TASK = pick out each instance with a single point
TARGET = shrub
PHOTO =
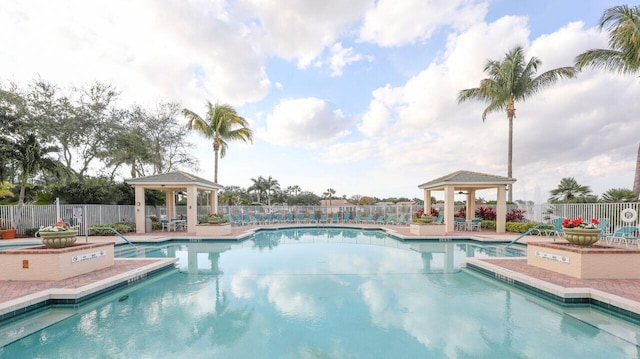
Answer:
(122, 228)
(488, 224)
(520, 227)
(516, 215)
(434, 212)
(31, 232)
(487, 213)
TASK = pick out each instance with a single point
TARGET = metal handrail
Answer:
(116, 232)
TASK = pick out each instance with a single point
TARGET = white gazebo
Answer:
(468, 183)
(171, 183)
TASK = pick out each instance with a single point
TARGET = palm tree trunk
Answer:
(636, 180)
(215, 173)
(510, 156)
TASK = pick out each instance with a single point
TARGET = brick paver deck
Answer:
(15, 289)
(625, 288)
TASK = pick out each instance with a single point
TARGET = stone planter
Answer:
(423, 229)
(8, 233)
(581, 236)
(213, 230)
(61, 239)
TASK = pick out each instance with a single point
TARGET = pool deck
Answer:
(17, 296)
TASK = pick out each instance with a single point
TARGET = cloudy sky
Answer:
(357, 95)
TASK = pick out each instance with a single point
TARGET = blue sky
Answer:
(359, 95)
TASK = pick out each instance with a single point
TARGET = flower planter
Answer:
(8, 233)
(213, 230)
(61, 239)
(581, 236)
(432, 229)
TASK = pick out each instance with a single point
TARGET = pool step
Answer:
(21, 328)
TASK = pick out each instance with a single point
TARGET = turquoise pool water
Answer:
(324, 294)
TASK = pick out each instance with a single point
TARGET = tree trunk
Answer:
(636, 180)
(511, 115)
(216, 147)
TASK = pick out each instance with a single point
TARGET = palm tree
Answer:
(271, 187)
(222, 123)
(5, 189)
(617, 195)
(509, 81)
(623, 56)
(258, 187)
(295, 189)
(569, 191)
(329, 195)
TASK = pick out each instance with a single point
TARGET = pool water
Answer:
(326, 294)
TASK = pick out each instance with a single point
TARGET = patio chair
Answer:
(334, 218)
(380, 220)
(301, 218)
(402, 220)
(357, 219)
(290, 218)
(279, 218)
(439, 219)
(556, 231)
(323, 218)
(459, 223)
(312, 218)
(369, 219)
(476, 224)
(236, 220)
(346, 217)
(604, 229)
(259, 219)
(165, 224)
(246, 220)
(390, 219)
(268, 218)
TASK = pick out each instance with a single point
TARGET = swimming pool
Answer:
(325, 293)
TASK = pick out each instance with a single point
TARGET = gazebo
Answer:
(171, 183)
(467, 182)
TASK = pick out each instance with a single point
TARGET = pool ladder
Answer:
(117, 233)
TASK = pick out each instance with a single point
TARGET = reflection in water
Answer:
(321, 293)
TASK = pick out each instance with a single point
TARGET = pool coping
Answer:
(21, 306)
(555, 293)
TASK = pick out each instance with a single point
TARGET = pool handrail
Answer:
(116, 232)
(536, 228)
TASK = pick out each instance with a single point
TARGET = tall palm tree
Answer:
(623, 56)
(295, 189)
(617, 195)
(221, 123)
(258, 187)
(511, 80)
(569, 191)
(329, 195)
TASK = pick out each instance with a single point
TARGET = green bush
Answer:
(515, 227)
(488, 224)
(122, 228)
(156, 225)
(31, 232)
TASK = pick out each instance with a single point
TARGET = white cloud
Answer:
(307, 122)
(341, 57)
(301, 29)
(395, 23)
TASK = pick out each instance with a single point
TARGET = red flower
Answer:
(595, 221)
(565, 222)
(577, 221)
(60, 223)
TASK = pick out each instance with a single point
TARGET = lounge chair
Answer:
(301, 218)
(312, 218)
(268, 218)
(259, 219)
(346, 217)
(323, 218)
(623, 234)
(246, 220)
(334, 218)
(290, 218)
(439, 219)
(380, 220)
(390, 219)
(369, 219)
(279, 218)
(357, 219)
(402, 220)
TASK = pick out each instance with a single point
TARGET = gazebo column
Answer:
(170, 200)
(449, 207)
(192, 208)
(427, 202)
(140, 214)
(501, 210)
(213, 202)
(471, 203)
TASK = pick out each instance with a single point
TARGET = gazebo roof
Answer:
(467, 179)
(177, 179)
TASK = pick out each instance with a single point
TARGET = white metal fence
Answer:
(34, 216)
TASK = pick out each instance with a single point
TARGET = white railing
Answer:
(34, 216)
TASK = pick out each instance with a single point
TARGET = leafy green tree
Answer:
(304, 198)
(569, 191)
(272, 186)
(623, 55)
(221, 123)
(91, 190)
(259, 187)
(617, 195)
(510, 80)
